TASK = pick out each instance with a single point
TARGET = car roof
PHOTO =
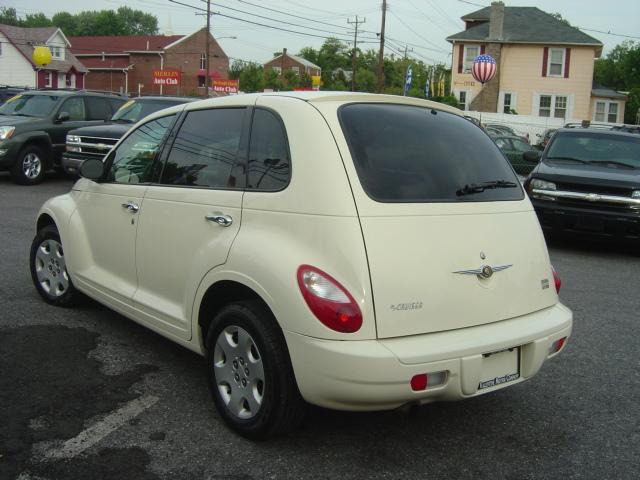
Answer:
(510, 137)
(159, 98)
(66, 93)
(597, 131)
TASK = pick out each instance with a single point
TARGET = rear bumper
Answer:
(376, 374)
(590, 221)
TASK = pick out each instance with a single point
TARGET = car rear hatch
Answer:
(451, 239)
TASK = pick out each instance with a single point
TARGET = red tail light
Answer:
(329, 301)
(556, 279)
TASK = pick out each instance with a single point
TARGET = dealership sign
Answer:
(166, 77)
(225, 86)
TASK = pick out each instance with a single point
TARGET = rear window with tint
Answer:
(404, 153)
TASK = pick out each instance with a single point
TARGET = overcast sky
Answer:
(422, 24)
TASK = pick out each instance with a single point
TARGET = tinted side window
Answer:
(269, 163)
(205, 149)
(98, 108)
(74, 107)
(116, 103)
(133, 159)
(404, 153)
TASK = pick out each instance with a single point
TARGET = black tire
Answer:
(282, 407)
(30, 166)
(48, 269)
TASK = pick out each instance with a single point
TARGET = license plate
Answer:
(499, 368)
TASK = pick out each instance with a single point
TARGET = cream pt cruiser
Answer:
(354, 251)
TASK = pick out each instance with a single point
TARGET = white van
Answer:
(354, 251)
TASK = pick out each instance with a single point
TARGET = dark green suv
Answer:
(34, 126)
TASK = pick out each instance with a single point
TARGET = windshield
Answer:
(132, 111)
(404, 153)
(595, 147)
(29, 105)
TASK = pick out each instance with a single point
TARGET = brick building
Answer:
(299, 65)
(126, 63)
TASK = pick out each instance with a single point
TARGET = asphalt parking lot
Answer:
(136, 406)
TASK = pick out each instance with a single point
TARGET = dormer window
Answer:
(57, 52)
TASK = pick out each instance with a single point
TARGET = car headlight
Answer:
(542, 184)
(6, 132)
(73, 139)
(635, 194)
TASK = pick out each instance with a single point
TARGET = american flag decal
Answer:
(484, 68)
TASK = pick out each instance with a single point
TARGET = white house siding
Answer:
(14, 68)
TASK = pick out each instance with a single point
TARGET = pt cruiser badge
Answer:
(486, 271)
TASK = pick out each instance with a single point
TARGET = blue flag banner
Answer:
(407, 80)
(426, 89)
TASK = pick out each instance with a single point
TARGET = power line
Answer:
(441, 50)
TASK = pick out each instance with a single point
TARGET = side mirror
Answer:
(62, 117)
(92, 168)
(532, 156)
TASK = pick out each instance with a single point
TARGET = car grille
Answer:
(97, 146)
(599, 189)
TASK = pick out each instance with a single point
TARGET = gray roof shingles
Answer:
(525, 25)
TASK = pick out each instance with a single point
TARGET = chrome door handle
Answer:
(222, 220)
(131, 206)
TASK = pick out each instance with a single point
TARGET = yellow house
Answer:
(545, 67)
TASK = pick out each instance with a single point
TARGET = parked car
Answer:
(7, 92)
(96, 141)
(496, 129)
(588, 182)
(514, 148)
(34, 126)
(544, 138)
(257, 230)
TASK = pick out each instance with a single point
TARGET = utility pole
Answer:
(381, 54)
(206, 49)
(407, 50)
(355, 46)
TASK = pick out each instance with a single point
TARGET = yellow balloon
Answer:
(42, 56)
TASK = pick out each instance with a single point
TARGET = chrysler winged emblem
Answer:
(485, 271)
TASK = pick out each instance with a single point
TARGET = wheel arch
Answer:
(219, 294)
(38, 139)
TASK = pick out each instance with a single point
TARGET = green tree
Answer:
(620, 70)
(8, 16)
(65, 21)
(36, 20)
(251, 78)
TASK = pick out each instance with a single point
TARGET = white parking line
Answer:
(92, 435)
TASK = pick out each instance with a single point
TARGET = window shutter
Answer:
(567, 61)
(545, 60)
(482, 49)
(460, 57)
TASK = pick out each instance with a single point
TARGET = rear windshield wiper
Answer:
(613, 162)
(571, 159)
(481, 187)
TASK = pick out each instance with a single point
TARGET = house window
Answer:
(556, 62)
(508, 103)
(57, 52)
(203, 62)
(201, 80)
(278, 70)
(462, 100)
(554, 106)
(613, 113)
(470, 54)
(296, 70)
(47, 79)
(545, 106)
(62, 80)
(606, 112)
(560, 110)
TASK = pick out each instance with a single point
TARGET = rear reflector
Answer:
(423, 381)
(556, 279)
(557, 345)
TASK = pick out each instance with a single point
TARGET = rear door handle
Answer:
(131, 206)
(222, 220)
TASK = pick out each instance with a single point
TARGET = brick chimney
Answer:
(487, 99)
(496, 21)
